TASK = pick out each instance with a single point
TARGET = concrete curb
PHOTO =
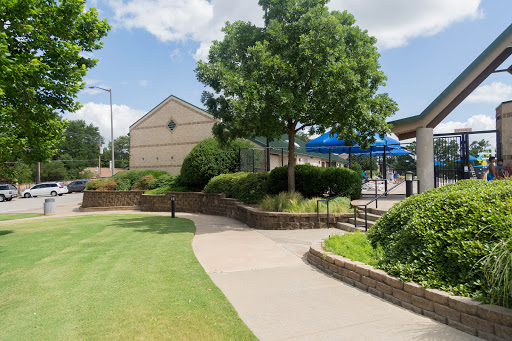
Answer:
(488, 322)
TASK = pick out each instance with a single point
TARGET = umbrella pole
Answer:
(330, 157)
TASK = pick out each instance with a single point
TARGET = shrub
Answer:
(123, 185)
(135, 175)
(144, 183)
(106, 185)
(166, 180)
(438, 238)
(247, 187)
(357, 168)
(207, 160)
(314, 181)
(93, 184)
(339, 180)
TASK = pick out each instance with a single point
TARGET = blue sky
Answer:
(152, 50)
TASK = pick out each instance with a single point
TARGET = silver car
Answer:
(7, 192)
(48, 188)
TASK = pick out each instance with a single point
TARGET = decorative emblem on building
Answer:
(171, 125)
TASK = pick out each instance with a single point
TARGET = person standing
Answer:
(493, 174)
(501, 170)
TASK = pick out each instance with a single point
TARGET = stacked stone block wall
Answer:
(489, 322)
(211, 204)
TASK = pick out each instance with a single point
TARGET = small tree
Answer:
(307, 67)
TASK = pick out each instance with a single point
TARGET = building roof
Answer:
(164, 101)
(300, 147)
(485, 64)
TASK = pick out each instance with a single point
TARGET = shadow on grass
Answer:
(4, 232)
(155, 224)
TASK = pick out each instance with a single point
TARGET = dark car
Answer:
(77, 186)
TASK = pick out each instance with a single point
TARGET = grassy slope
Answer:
(354, 246)
(12, 216)
(116, 277)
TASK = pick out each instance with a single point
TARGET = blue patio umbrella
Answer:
(326, 144)
(480, 166)
(437, 163)
(471, 158)
(393, 152)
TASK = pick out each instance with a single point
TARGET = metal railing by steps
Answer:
(327, 200)
(376, 200)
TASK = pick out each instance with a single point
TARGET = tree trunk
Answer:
(291, 160)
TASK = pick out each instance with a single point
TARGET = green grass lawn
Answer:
(12, 216)
(354, 246)
(109, 277)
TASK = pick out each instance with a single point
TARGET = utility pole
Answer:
(99, 156)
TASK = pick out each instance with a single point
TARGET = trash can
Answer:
(49, 207)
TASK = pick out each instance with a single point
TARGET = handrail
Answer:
(376, 203)
(339, 195)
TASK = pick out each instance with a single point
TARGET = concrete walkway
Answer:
(281, 297)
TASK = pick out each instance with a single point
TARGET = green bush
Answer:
(313, 181)
(144, 183)
(101, 185)
(93, 184)
(339, 180)
(166, 180)
(123, 185)
(357, 168)
(247, 187)
(135, 175)
(207, 160)
(439, 238)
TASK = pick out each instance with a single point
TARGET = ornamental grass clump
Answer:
(295, 203)
(440, 238)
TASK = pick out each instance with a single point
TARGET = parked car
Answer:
(7, 192)
(77, 186)
(48, 188)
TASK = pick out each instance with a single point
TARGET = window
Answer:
(172, 125)
(3, 187)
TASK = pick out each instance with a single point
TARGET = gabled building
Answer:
(166, 134)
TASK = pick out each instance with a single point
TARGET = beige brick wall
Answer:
(153, 145)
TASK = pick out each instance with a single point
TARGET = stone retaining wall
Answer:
(208, 203)
(463, 313)
(111, 198)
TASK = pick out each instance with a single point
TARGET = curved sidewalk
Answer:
(265, 276)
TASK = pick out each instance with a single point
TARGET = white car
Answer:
(7, 192)
(47, 188)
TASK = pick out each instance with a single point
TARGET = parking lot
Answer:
(67, 202)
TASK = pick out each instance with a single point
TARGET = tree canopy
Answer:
(45, 49)
(121, 152)
(306, 67)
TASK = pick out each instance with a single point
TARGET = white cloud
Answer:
(143, 82)
(496, 92)
(477, 122)
(99, 115)
(393, 22)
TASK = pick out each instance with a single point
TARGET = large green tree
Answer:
(44, 49)
(306, 67)
(121, 152)
(80, 147)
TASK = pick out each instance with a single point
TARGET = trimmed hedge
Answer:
(101, 185)
(313, 181)
(438, 238)
(166, 180)
(207, 160)
(247, 187)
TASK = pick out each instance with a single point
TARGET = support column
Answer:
(425, 161)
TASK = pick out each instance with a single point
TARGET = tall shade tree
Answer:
(306, 67)
(80, 148)
(44, 54)
(121, 152)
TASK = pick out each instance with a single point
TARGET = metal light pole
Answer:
(111, 125)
